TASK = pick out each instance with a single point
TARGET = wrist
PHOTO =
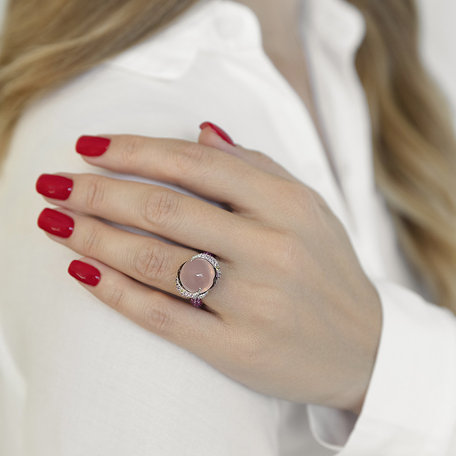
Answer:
(364, 354)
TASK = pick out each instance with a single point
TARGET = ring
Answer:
(197, 276)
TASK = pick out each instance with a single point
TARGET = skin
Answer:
(293, 315)
(279, 23)
(280, 30)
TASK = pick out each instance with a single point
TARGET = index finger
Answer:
(204, 170)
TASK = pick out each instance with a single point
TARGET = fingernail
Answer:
(54, 222)
(223, 134)
(84, 272)
(54, 186)
(92, 146)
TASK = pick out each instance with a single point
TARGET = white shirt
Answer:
(77, 378)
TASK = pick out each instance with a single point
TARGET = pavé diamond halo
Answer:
(197, 276)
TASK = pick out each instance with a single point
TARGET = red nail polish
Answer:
(54, 186)
(84, 272)
(92, 146)
(55, 222)
(223, 134)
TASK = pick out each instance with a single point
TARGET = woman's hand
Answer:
(293, 315)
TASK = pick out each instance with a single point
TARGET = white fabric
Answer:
(77, 378)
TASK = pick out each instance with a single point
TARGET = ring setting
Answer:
(196, 276)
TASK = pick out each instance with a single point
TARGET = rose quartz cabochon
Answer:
(196, 274)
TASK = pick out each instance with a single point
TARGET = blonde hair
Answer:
(414, 144)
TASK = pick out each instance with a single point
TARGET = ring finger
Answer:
(146, 259)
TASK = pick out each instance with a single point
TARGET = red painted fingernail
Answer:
(56, 223)
(92, 146)
(54, 186)
(223, 134)
(84, 272)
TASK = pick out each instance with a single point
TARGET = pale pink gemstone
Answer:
(196, 274)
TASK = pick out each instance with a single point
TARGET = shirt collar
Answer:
(226, 26)
(336, 23)
(212, 25)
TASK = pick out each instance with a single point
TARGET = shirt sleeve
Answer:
(410, 405)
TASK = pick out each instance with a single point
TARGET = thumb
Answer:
(214, 136)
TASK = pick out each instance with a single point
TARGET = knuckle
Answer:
(300, 194)
(270, 306)
(117, 298)
(95, 193)
(157, 318)
(192, 159)
(130, 146)
(151, 263)
(305, 198)
(319, 199)
(283, 250)
(161, 208)
(91, 243)
(299, 191)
